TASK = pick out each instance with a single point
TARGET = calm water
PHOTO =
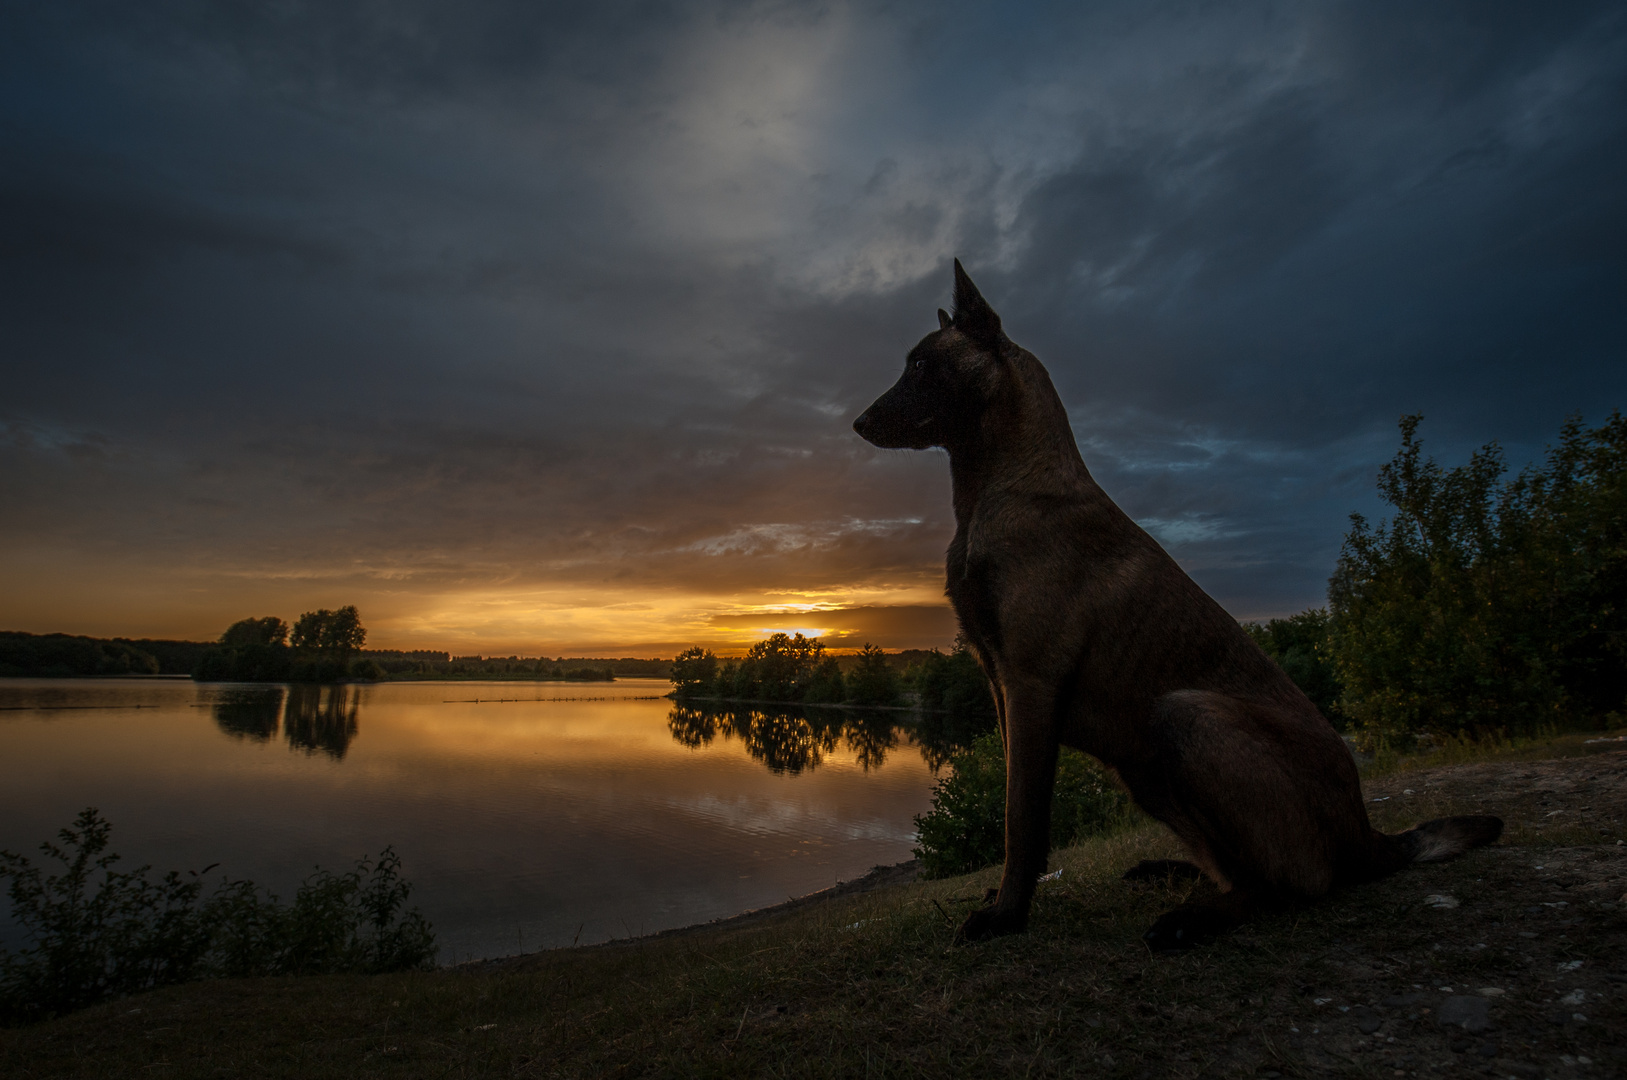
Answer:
(579, 812)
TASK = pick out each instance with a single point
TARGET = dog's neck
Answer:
(1034, 452)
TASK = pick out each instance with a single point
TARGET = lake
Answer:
(527, 815)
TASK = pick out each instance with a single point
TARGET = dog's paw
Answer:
(1182, 929)
(988, 923)
(1162, 870)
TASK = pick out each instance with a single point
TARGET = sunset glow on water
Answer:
(571, 814)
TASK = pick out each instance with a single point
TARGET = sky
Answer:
(539, 329)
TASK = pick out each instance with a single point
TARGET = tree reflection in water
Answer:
(250, 712)
(788, 739)
(321, 718)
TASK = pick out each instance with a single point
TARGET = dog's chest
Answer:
(973, 590)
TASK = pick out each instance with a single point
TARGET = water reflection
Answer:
(250, 712)
(788, 739)
(313, 718)
(943, 735)
(517, 807)
(321, 718)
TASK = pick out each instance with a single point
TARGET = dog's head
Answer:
(948, 381)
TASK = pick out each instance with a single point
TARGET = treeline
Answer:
(1483, 606)
(797, 669)
(321, 646)
(522, 668)
(65, 656)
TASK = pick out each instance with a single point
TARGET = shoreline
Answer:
(796, 704)
(877, 877)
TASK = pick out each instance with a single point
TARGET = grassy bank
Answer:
(870, 985)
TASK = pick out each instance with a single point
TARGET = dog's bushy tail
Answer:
(1445, 838)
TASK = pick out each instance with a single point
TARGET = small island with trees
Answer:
(797, 670)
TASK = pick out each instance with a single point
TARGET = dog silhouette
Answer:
(1093, 637)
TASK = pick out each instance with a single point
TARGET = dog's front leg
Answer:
(1031, 750)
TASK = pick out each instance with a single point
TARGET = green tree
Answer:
(1484, 605)
(1301, 647)
(778, 668)
(825, 685)
(694, 672)
(872, 680)
(334, 633)
(957, 704)
(267, 631)
(251, 650)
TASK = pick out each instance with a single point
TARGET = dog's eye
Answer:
(920, 365)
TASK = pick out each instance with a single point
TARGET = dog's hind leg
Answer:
(1263, 799)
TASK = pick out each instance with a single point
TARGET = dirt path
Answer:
(1509, 963)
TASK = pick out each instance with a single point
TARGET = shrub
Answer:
(965, 829)
(872, 680)
(95, 932)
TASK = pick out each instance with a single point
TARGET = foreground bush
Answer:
(965, 829)
(97, 933)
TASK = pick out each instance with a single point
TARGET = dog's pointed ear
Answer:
(944, 321)
(973, 316)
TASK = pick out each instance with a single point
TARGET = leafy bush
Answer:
(1483, 605)
(1301, 646)
(965, 829)
(97, 933)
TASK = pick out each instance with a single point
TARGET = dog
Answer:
(1092, 637)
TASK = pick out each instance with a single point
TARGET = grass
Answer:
(1463, 749)
(869, 985)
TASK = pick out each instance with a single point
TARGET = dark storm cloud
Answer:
(492, 296)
